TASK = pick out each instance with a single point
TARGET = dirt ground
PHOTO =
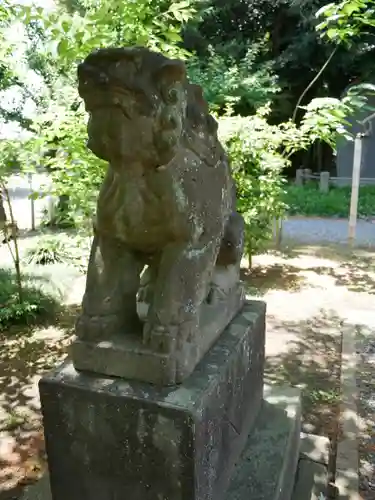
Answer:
(310, 292)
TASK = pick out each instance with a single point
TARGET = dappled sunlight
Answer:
(23, 360)
(273, 277)
(22, 459)
(311, 362)
(310, 293)
(292, 271)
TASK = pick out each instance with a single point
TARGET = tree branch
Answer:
(313, 81)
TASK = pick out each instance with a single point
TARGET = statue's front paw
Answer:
(94, 328)
(167, 338)
(89, 327)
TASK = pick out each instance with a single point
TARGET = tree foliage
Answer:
(247, 54)
(56, 41)
(239, 86)
(296, 49)
(347, 21)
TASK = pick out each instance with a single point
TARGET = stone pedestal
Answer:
(109, 439)
(127, 357)
(276, 463)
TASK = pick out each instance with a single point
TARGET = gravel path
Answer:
(316, 230)
(298, 229)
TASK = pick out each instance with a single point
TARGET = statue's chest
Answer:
(141, 211)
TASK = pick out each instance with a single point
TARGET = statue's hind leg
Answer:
(232, 244)
(109, 303)
(227, 270)
(184, 275)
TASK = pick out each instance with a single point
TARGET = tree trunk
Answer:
(14, 234)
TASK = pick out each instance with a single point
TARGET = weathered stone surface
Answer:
(127, 357)
(311, 481)
(167, 202)
(111, 439)
(267, 466)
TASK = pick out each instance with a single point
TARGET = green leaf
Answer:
(66, 26)
(326, 10)
(63, 47)
(173, 36)
(176, 6)
(331, 33)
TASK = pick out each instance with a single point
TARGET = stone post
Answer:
(324, 182)
(307, 174)
(299, 177)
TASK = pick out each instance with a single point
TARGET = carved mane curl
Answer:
(201, 127)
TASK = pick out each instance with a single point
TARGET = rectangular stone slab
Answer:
(111, 439)
(125, 356)
(267, 467)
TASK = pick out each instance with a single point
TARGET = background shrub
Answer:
(308, 200)
(253, 147)
(36, 302)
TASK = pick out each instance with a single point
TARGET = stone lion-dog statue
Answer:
(167, 235)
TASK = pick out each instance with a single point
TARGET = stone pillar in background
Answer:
(299, 177)
(307, 172)
(324, 182)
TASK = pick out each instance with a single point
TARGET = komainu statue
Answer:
(163, 276)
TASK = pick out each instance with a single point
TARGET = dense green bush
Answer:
(35, 303)
(308, 200)
(253, 147)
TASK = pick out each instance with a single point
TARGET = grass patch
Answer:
(67, 248)
(47, 250)
(37, 302)
(308, 200)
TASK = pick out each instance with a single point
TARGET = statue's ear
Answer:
(171, 72)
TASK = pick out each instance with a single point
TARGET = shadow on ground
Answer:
(26, 353)
(273, 277)
(354, 272)
(311, 362)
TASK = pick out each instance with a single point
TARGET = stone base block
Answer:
(111, 439)
(267, 467)
(126, 356)
(311, 481)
